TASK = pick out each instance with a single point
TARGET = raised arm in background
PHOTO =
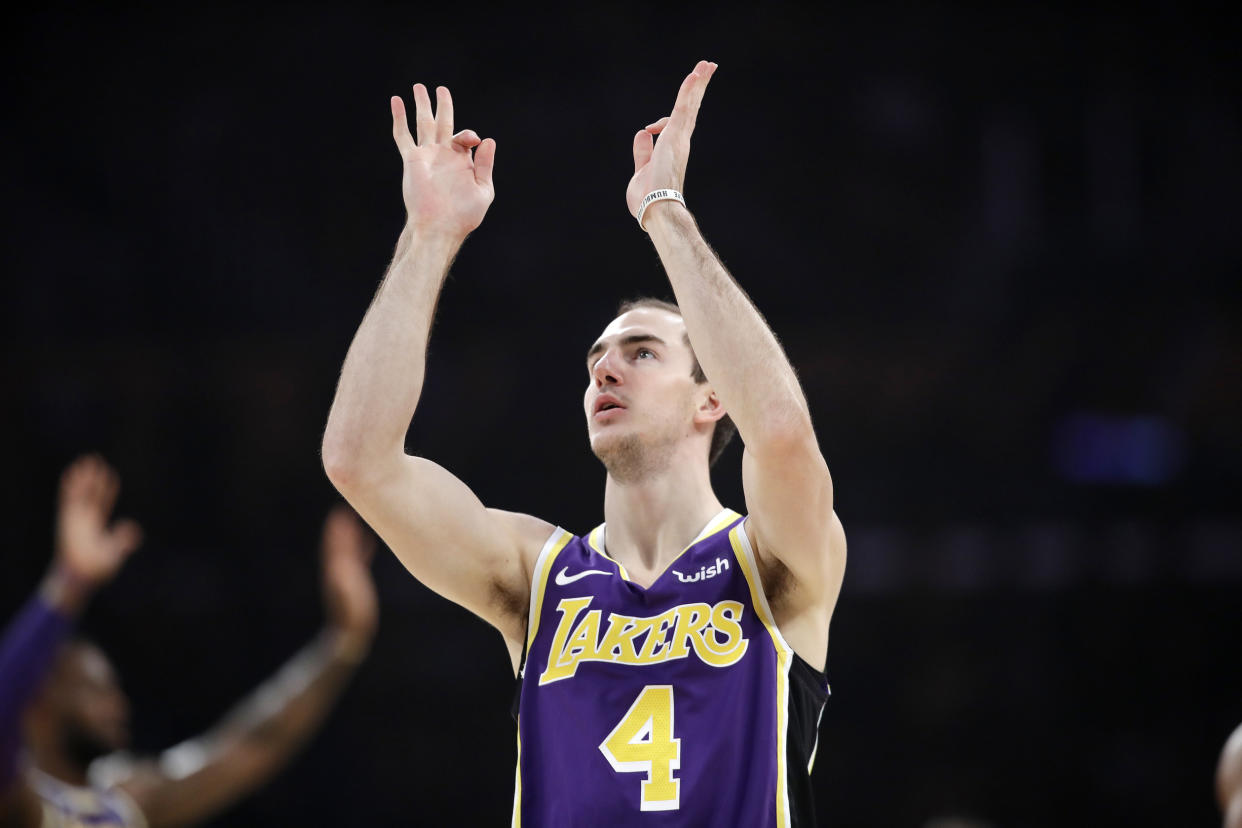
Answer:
(198, 778)
(789, 493)
(89, 553)
(478, 557)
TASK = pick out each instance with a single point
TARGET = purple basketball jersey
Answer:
(679, 704)
(71, 806)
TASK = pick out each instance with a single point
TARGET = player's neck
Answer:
(651, 521)
(55, 763)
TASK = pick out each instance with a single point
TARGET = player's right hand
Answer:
(660, 163)
(88, 549)
(447, 188)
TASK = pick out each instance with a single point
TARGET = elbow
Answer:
(355, 466)
(335, 456)
(342, 460)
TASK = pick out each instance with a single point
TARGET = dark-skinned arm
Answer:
(89, 553)
(257, 738)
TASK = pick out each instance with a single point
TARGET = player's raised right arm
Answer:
(437, 527)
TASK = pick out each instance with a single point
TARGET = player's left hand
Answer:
(348, 588)
(662, 164)
(90, 548)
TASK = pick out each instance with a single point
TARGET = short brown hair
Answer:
(725, 429)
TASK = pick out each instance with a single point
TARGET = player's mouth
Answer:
(607, 407)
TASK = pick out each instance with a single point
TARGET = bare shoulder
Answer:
(510, 587)
(529, 532)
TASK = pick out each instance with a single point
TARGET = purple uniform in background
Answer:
(70, 806)
(680, 704)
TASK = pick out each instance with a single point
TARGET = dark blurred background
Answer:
(1002, 247)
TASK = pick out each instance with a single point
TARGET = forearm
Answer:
(383, 373)
(27, 654)
(735, 347)
(283, 711)
(254, 740)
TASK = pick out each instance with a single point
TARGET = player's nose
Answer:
(607, 369)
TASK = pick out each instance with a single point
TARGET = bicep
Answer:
(789, 500)
(449, 540)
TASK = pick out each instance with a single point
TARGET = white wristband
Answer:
(654, 196)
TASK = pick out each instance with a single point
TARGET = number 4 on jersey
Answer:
(643, 741)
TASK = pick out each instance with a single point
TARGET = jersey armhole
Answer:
(539, 580)
(750, 570)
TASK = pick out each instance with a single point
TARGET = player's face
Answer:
(640, 381)
(94, 711)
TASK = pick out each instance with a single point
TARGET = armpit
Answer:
(512, 607)
(778, 583)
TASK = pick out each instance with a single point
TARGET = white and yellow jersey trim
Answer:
(723, 518)
(539, 582)
(539, 579)
(784, 658)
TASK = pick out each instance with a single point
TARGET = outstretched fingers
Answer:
(75, 480)
(436, 127)
(690, 97)
(431, 126)
(444, 114)
(423, 120)
(107, 490)
(400, 126)
(92, 483)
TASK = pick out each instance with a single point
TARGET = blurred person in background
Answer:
(1229, 780)
(672, 659)
(61, 700)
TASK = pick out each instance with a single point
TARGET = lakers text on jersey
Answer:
(678, 704)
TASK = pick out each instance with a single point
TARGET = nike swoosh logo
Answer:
(564, 579)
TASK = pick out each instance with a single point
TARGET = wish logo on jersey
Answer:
(713, 633)
(704, 572)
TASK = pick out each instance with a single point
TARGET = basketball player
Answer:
(66, 697)
(671, 659)
(1229, 780)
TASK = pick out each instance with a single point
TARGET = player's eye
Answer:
(643, 353)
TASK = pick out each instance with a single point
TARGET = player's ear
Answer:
(710, 410)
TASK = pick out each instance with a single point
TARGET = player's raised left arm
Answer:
(256, 739)
(788, 489)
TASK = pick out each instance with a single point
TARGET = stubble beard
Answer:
(631, 458)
